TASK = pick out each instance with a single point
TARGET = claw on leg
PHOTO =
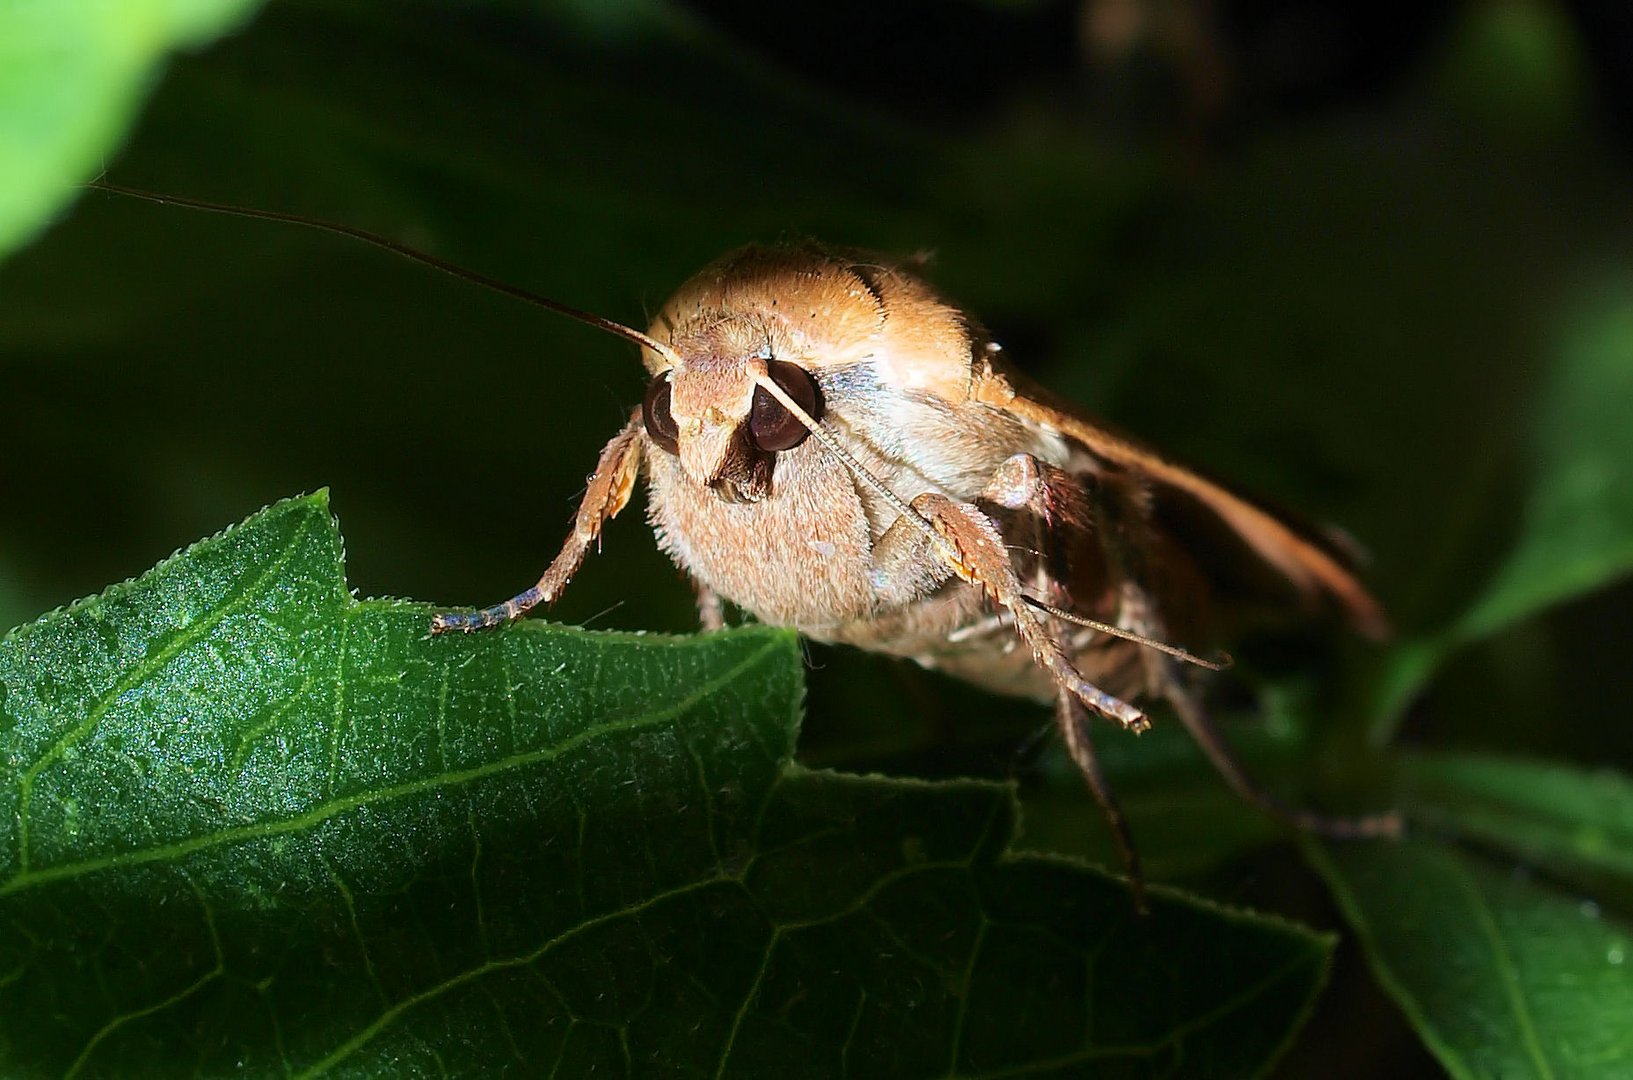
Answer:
(444, 622)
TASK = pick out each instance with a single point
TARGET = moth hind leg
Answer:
(1127, 539)
(1188, 705)
(1073, 722)
(1166, 678)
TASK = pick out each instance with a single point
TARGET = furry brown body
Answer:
(803, 554)
(913, 388)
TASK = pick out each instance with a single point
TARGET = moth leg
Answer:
(904, 566)
(1214, 745)
(1074, 732)
(1024, 482)
(608, 492)
(1057, 507)
(992, 624)
(1054, 500)
(1140, 611)
(907, 564)
(711, 614)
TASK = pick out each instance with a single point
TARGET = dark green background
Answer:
(1348, 283)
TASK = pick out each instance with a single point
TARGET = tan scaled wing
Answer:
(1291, 551)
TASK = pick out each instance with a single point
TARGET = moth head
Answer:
(715, 408)
(749, 342)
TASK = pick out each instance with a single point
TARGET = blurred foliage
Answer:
(1377, 268)
(72, 77)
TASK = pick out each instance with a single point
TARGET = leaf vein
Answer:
(117, 1022)
(143, 671)
(389, 1015)
(1510, 976)
(341, 804)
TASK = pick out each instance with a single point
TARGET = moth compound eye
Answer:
(660, 423)
(773, 427)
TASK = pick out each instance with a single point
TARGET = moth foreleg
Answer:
(606, 493)
(1056, 510)
(908, 563)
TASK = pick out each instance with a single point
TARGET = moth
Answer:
(829, 445)
(832, 446)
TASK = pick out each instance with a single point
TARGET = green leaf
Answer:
(72, 77)
(1571, 821)
(1502, 977)
(1576, 532)
(254, 826)
(1578, 528)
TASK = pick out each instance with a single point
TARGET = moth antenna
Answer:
(617, 329)
(412, 254)
(1224, 663)
(862, 472)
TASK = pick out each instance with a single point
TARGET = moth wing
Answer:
(1294, 553)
